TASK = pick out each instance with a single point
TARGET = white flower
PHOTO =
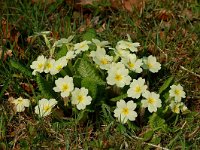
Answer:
(38, 65)
(101, 59)
(49, 65)
(175, 107)
(44, 107)
(80, 98)
(58, 65)
(137, 87)
(132, 63)
(178, 107)
(151, 63)
(177, 92)
(64, 85)
(121, 52)
(128, 45)
(118, 74)
(152, 101)
(80, 47)
(70, 55)
(21, 103)
(100, 44)
(125, 111)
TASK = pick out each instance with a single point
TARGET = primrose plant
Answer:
(91, 73)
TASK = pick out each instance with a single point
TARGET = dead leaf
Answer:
(27, 87)
(130, 4)
(11, 34)
(7, 54)
(164, 15)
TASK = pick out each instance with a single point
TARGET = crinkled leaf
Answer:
(61, 52)
(91, 85)
(85, 69)
(148, 135)
(89, 35)
(156, 122)
(46, 87)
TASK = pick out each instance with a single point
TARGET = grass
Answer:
(169, 30)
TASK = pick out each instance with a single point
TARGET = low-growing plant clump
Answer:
(83, 76)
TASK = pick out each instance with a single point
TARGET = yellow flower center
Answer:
(40, 66)
(48, 65)
(82, 45)
(177, 92)
(176, 109)
(19, 101)
(151, 100)
(150, 65)
(47, 108)
(59, 67)
(138, 89)
(131, 65)
(118, 77)
(129, 45)
(125, 111)
(104, 61)
(80, 98)
(65, 87)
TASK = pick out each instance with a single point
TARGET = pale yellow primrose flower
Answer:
(128, 45)
(44, 107)
(178, 107)
(70, 55)
(118, 75)
(58, 65)
(49, 65)
(121, 52)
(38, 65)
(100, 58)
(125, 111)
(81, 47)
(137, 88)
(132, 63)
(177, 92)
(80, 98)
(99, 43)
(64, 85)
(21, 103)
(152, 101)
(151, 63)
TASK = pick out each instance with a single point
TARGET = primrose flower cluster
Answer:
(176, 93)
(119, 64)
(43, 108)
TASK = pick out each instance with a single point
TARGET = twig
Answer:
(193, 73)
(150, 144)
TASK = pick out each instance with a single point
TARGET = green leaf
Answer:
(156, 122)
(21, 68)
(156, 140)
(62, 52)
(46, 87)
(5, 86)
(148, 135)
(91, 85)
(89, 35)
(166, 84)
(107, 113)
(123, 96)
(85, 69)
